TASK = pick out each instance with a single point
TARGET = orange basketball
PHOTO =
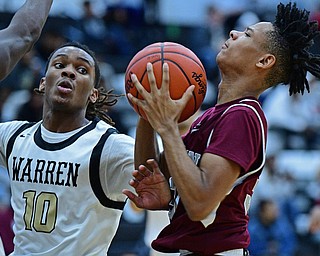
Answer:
(185, 69)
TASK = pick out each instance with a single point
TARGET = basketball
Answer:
(185, 69)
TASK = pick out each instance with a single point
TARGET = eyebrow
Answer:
(79, 58)
(250, 29)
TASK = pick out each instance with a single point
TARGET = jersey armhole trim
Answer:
(13, 138)
(242, 178)
(94, 173)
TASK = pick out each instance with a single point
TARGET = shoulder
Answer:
(12, 125)
(9, 128)
(116, 140)
(246, 105)
(246, 108)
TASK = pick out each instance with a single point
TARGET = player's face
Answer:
(244, 48)
(69, 81)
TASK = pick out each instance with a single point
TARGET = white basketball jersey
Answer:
(66, 195)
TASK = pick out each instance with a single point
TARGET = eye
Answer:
(82, 70)
(247, 34)
(58, 65)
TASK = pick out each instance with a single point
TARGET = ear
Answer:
(42, 84)
(266, 61)
(94, 95)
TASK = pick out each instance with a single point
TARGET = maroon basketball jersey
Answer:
(237, 131)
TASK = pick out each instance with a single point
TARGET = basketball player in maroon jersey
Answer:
(213, 169)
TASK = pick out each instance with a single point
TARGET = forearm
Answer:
(21, 34)
(146, 146)
(185, 173)
(199, 187)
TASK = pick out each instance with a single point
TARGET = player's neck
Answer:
(229, 91)
(63, 123)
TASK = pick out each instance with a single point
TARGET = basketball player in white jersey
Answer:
(19, 37)
(68, 170)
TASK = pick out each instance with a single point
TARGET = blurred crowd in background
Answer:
(289, 188)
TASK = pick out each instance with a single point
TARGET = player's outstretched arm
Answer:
(152, 188)
(22, 32)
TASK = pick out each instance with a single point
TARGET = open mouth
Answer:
(65, 86)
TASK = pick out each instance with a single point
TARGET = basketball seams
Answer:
(135, 61)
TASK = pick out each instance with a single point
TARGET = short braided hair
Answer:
(290, 43)
(105, 99)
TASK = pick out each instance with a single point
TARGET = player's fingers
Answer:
(133, 183)
(136, 101)
(140, 174)
(155, 167)
(137, 175)
(187, 95)
(141, 90)
(151, 78)
(183, 101)
(144, 171)
(165, 79)
(128, 193)
(135, 199)
(136, 83)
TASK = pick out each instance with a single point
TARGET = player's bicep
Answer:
(13, 48)
(220, 174)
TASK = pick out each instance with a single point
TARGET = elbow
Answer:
(32, 37)
(198, 213)
(27, 35)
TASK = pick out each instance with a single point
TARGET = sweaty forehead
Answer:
(75, 52)
(263, 27)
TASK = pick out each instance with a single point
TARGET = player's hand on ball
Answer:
(186, 69)
(152, 188)
(160, 109)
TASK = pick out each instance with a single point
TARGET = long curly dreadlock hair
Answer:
(290, 42)
(105, 99)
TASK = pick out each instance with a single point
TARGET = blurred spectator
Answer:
(216, 38)
(92, 24)
(119, 26)
(214, 23)
(26, 73)
(271, 233)
(48, 42)
(313, 188)
(308, 231)
(31, 110)
(4, 94)
(231, 7)
(277, 186)
(94, 29)
(293, 121)
(246, 19)
(315, 13)
(12, 104)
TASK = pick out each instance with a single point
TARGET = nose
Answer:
(68, 72)
(234, 34)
